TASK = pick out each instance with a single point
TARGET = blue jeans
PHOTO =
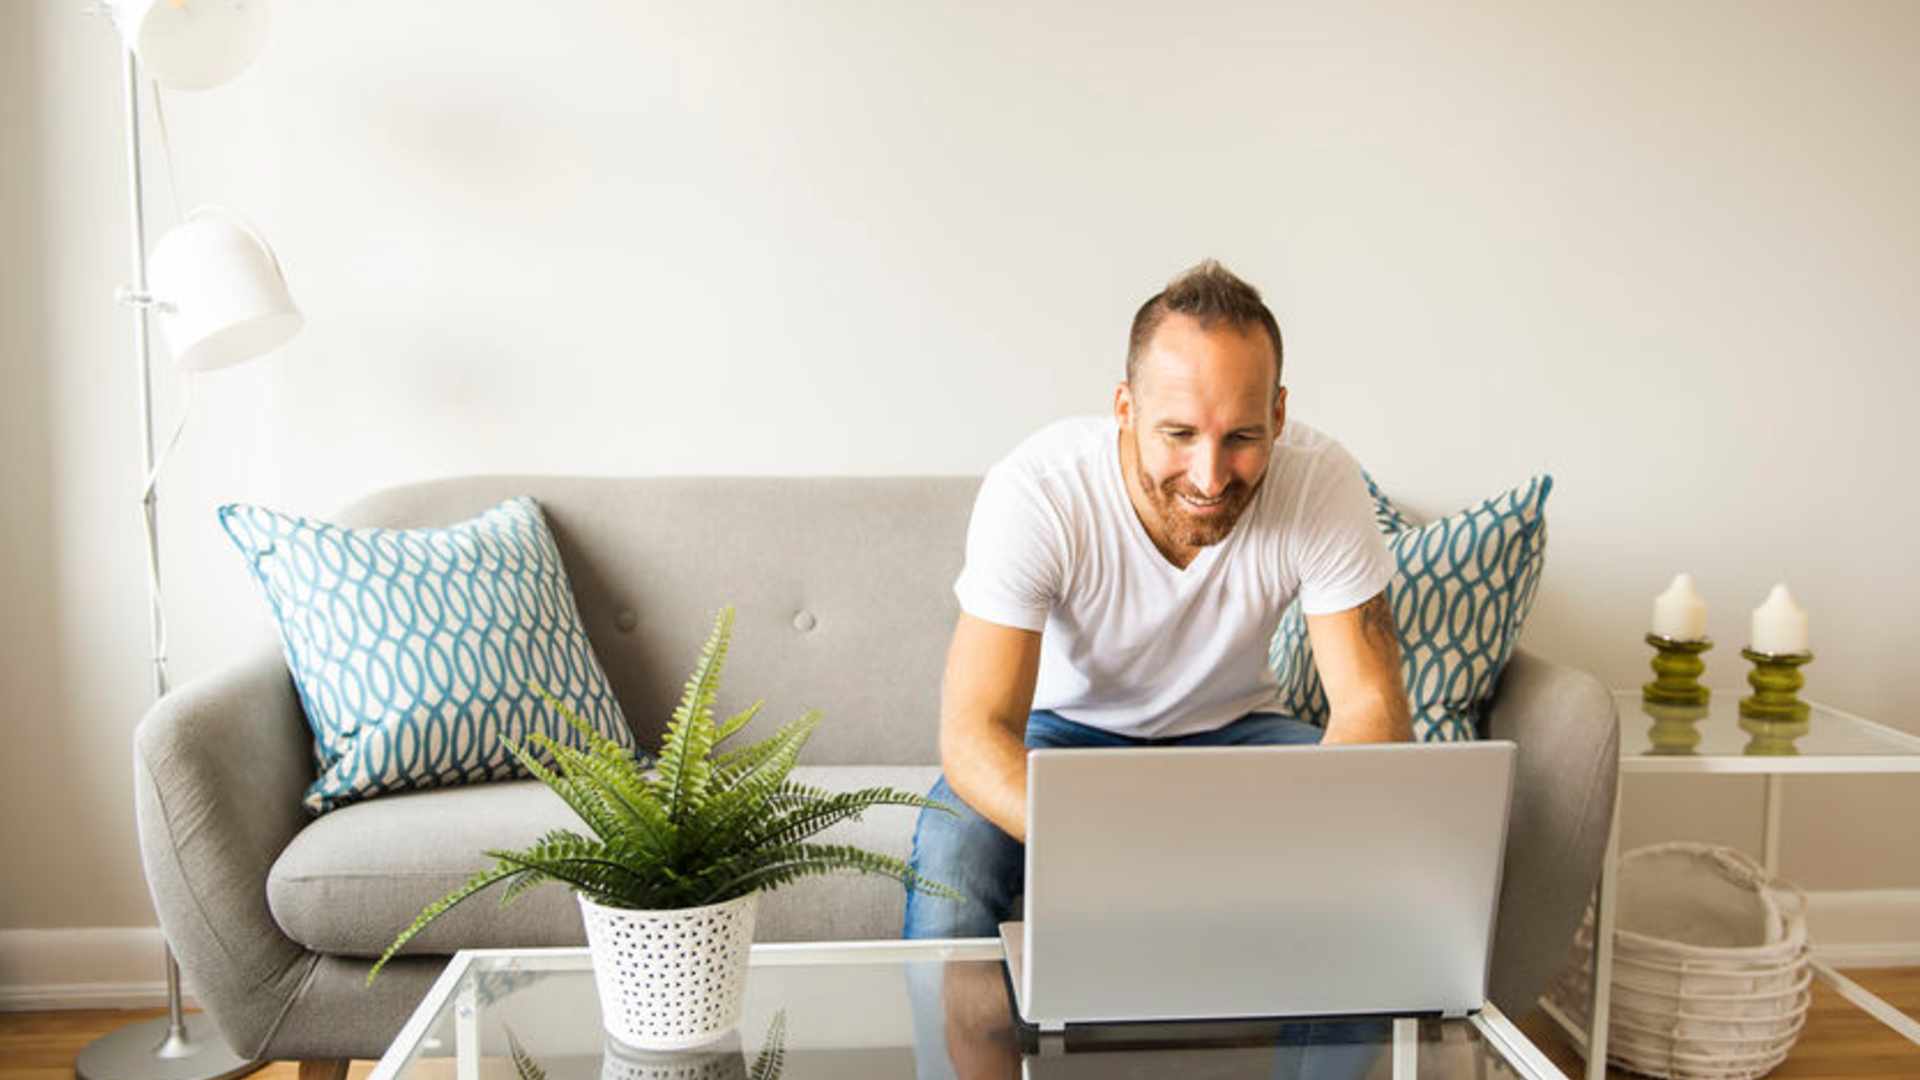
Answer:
(987, 867)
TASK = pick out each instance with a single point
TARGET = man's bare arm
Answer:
(984, 701)
(1358, 654)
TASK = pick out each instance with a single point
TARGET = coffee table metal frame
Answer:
(1871, 748)
(1490, 1022)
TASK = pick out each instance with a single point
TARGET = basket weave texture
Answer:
(1711, 972)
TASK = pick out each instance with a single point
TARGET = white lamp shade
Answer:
(222, 298)
(193, 44)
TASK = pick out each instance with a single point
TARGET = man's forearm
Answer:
(988, 769)
(1382, 719)
(1358, 652)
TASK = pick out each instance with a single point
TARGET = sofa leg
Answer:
(335, 1069)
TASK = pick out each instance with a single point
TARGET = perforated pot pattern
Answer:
(670, 979)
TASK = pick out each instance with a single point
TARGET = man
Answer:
(1123, 577)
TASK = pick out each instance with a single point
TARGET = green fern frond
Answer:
(817, 815)
(739, 720)
(603, 880)
(603, 815)
(617, 780)
(524, 1067)
(780, 866)
(684, 764)
(734, 762)
(581, 803)
(599, 745)
(520, 883)
(772, 1057)
(730, 766)
(794, 793)
(592, 866)
(744, 796)
(625, 809)
(440, 907)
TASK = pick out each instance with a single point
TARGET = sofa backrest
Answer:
(843, 590)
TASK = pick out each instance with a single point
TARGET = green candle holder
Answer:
(1774, 714)
(1776, 682)
(1676, 670)
(1673, 733)
(1772, 739)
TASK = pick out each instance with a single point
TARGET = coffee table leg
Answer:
(1512, 1046)
(1406, 1048)
(1872, 1003)
(466, 1033)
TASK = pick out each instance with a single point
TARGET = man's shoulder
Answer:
(1303, 448)
(1305, 458)
(1067, 446)
(1303, 438)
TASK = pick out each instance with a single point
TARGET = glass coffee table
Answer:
(920, 1009)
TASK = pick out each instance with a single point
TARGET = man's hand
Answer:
(1358, 654)
(984, 701)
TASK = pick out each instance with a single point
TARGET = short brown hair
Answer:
(1210, 293)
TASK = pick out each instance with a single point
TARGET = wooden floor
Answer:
(1840, 1041)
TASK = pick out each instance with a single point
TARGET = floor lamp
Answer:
(220, 298)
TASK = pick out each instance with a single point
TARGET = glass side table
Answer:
(926, 1009)
(1658, 741)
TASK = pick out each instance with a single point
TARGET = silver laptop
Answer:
(1210, 883)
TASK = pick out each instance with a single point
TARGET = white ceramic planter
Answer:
(670, 980)
(721, 1059)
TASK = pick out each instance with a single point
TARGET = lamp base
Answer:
(143, 1051)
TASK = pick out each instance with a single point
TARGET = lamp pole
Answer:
(164, 1048)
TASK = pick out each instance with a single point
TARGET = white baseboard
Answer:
(95, 968)
(1865, 927)
(124, 967)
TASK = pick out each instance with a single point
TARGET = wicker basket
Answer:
(1711, 974)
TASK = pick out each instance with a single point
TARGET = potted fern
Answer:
(680, 852)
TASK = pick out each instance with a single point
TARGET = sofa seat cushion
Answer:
(353, 879)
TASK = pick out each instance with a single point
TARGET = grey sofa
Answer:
(843, 590)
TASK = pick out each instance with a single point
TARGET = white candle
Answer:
(1779, 625)
(1680, 613)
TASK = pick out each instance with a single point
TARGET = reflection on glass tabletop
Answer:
(1717, 737)
(905, 1009)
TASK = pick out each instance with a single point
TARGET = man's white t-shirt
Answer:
(1131, 643)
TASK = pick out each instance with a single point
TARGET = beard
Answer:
(1183, 527)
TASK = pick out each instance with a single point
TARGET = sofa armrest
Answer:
(1563, 794)
(220, 766)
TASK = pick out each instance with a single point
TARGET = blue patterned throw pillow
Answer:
(412, 649)
(1464, 587)
(1385, 514)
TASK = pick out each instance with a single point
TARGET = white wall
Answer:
(1666, 252)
